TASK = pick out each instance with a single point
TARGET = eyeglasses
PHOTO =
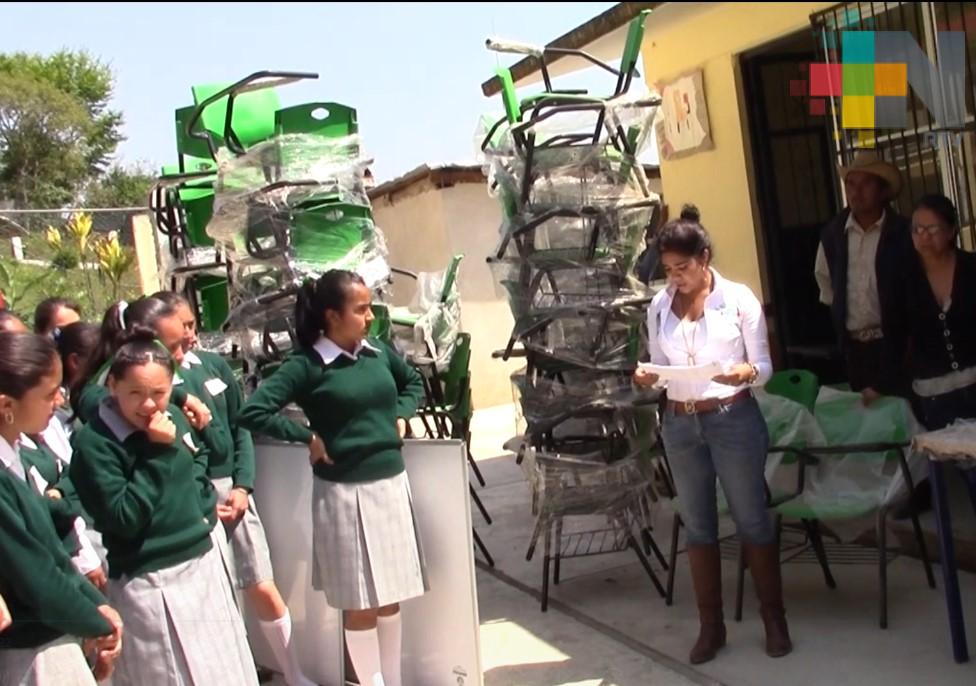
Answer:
(930, 229)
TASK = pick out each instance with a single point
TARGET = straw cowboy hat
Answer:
(869, 162)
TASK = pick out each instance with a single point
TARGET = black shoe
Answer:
(920, 502)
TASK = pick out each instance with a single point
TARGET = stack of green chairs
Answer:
(285, 227)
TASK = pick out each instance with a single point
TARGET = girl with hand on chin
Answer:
(142, 476)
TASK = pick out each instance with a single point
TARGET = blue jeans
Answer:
(732, 444)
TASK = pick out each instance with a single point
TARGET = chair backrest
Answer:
(635, 36)
(188, 146)
(450, 277)
(799, 385)
(254, 112)
(509, 96)
(328, 119)
(457, 370)
(382, 327)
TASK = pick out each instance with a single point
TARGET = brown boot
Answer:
(706, 575)
(763, 560)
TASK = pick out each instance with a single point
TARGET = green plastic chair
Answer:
(253, 119)
(381, 328)
(330, 232)
(809, 516)
(189, 147)
(328, 119)
(402, 316)
(799, 385)
(198, 206)
(211, 295)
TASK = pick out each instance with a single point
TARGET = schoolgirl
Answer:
(57, 615)
(357, 395)
(231, 470)
(141, 475)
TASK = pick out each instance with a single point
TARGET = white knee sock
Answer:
(390, 633)
(364, 651)
(278, 635)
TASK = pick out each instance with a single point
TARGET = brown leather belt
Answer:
(686, 407)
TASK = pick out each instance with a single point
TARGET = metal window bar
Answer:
(930, 157)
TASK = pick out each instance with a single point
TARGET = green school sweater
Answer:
(46, 597)
(352, 405)
(153, 503)
(232, 454)
(63, 511)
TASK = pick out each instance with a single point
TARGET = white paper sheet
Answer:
(701, 372)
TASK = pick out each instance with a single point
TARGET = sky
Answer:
(412, 70)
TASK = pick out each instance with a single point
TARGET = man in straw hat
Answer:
(863, 252)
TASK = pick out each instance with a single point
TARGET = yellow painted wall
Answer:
(718, 180)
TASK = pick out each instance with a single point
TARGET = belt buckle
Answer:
(690, 407)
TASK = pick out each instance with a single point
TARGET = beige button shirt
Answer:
(863, 304)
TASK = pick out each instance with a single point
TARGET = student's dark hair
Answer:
(78, 339)
(119, 319)
(138, 347)
(25, 358)
(47, 310)
(171, 298)
(7, 316)
(942, 206)
(329, 292)
(685, 235)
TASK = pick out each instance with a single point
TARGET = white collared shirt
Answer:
(10, 458)
(732, 331)
(329, 351)
(191, 359)
(863, 304)
(56, 438)
(115, 422)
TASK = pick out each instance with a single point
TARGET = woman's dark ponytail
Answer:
(329, 292)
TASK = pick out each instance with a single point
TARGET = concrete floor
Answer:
(606, 625)
(611, 601)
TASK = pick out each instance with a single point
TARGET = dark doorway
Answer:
(793, 156)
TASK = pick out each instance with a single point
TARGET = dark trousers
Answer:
(939, 411)
(863, 364)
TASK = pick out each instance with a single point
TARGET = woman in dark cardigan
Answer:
(937, 314)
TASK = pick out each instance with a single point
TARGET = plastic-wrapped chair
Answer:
(566, 486)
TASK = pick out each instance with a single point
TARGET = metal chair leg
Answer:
(559, 548)
(647, 566)
(481, 505)
(816, 541)
(545, 568)
(923, 549)
(484, 550)
(882, 567)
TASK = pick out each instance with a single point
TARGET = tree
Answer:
(56, 130)
(121, 187)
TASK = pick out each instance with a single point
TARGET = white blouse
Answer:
(732, 331)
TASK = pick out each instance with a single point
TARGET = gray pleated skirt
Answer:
(58, 663)
(245, 545)
(182, 628)
(366, 545)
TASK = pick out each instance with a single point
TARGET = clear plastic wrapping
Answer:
(576, 206)
(431, 323)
